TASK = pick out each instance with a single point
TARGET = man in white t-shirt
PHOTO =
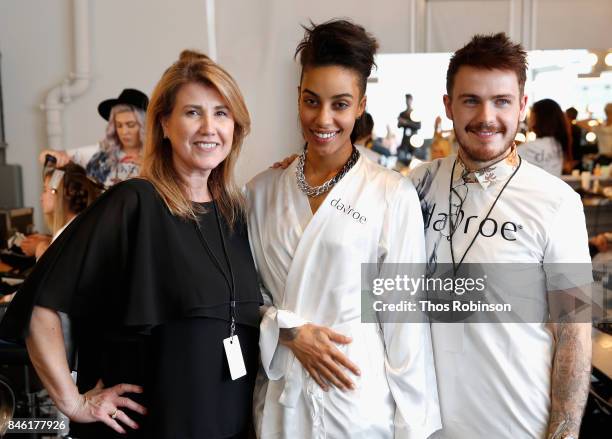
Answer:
(504, 380)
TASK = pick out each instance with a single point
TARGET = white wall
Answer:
(133, 41)
(256, 43)
(34, 40)
(538, 24)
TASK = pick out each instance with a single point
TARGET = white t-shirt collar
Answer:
(497, 172)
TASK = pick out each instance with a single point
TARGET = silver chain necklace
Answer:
(315, 191)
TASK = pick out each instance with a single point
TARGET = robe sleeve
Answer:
(409, 362)
(274, 357)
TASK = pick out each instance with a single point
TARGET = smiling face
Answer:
(485, 107)
(329, 103)
(200, 128)
(128, 129)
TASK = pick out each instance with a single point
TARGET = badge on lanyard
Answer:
(235, 361)
(233, 353)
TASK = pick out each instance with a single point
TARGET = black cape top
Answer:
(127, 262)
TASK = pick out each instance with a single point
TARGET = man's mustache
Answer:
(483, 126)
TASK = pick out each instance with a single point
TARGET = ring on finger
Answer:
(113, 415)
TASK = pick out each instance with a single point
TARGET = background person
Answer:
(410, 127)
(579, 149)
(365, 141)
(119, 155)
(441, 146)
(604, 133)
(155, 275)
(552, 148)
(67, 191)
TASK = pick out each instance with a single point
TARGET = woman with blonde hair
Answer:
(118, 155)
(162, 289)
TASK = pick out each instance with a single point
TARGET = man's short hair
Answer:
(489, 52)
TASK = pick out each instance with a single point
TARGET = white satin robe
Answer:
(310, 268)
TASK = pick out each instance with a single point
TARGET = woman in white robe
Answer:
(325, 373)
(551, 150)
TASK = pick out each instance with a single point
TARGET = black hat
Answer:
(129, 96)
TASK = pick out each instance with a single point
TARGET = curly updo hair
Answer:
(74, 193)
(338, 43)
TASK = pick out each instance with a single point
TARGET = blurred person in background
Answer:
(119, 155)
(577, 135)
(67, 191)
(604, 134)
(552, 148)
(441, 146)
(406, 120)
(115, 158)
(364, 142)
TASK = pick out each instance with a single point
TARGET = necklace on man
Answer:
(315, 191)
(452, 228)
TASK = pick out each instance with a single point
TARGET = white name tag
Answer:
(234, 357)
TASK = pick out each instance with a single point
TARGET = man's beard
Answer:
(472, 153)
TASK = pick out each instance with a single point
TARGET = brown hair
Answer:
(73, 194)
(551, 122)
(158, 168)
(489, 52)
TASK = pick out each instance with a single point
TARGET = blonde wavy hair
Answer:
(158, 167)
(111, 143)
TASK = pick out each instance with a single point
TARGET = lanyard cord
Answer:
(231, 283)
(450, 227)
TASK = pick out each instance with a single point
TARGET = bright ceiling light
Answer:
(416, 141)
(592, 59)
(591, 137)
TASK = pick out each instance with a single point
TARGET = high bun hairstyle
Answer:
(338, 43)
(341, 43)
(158, 168)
